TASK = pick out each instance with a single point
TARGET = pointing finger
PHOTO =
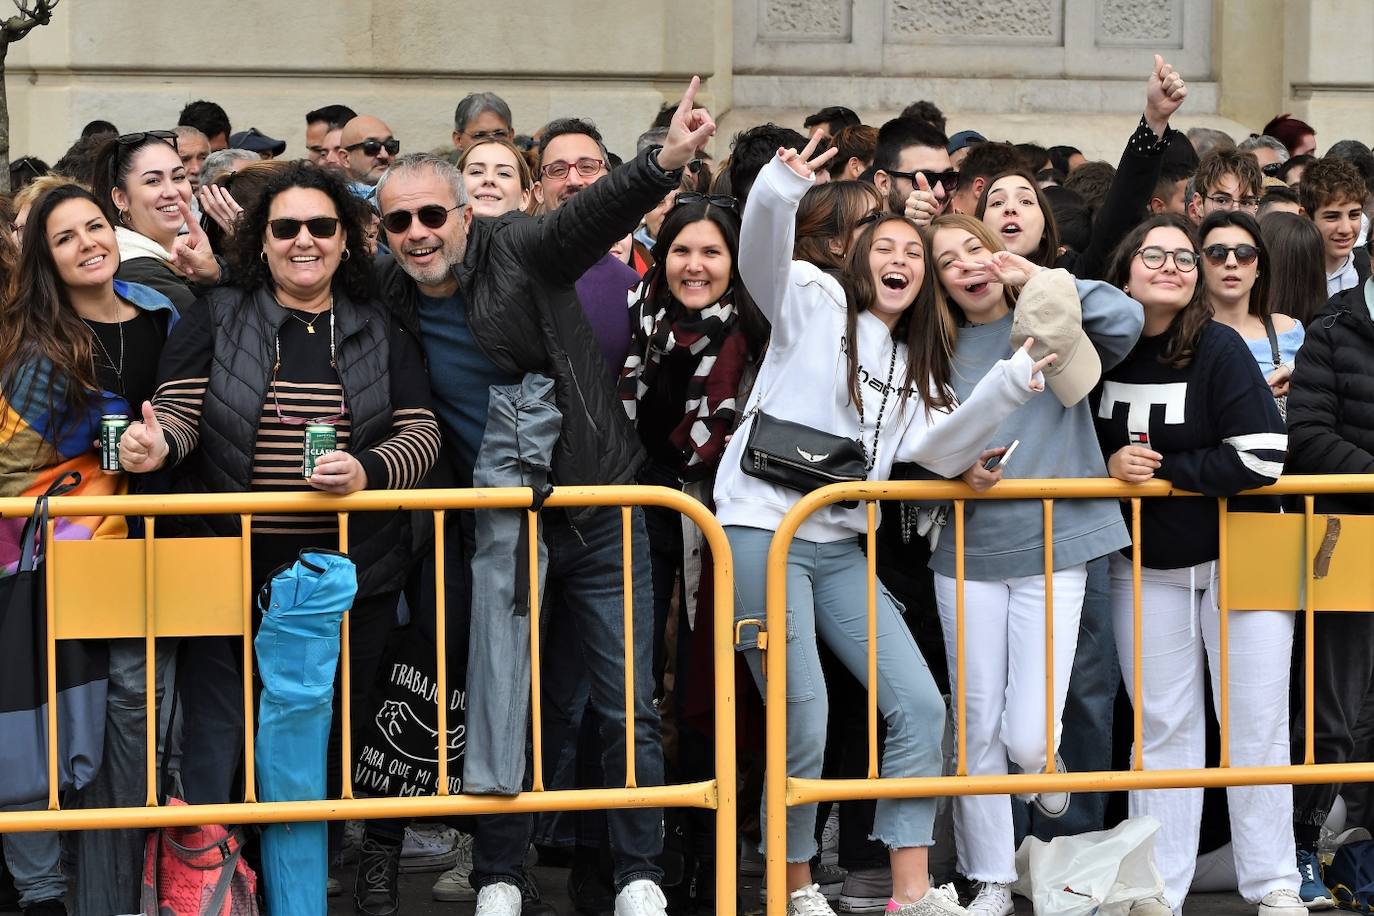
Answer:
(811, 145)
(685, 106)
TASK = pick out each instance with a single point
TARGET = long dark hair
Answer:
(926, 326)
(37, 321)
(831, 211)
(1297, 279)
(113, 161)
(1187, 325)
(751, 320)
(354, 275)
(1260, 303)
(1047, 251)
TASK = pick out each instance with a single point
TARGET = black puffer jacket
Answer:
(517, 280)
(1331, 403)
(246, 323)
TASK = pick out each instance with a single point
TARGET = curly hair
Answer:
(354, 275)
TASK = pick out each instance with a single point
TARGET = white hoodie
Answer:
(804, 376)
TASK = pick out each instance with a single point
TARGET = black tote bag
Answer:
(82, 678)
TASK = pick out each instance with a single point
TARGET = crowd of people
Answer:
(851, 303)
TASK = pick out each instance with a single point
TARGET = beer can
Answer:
(319, 439)
(112, 426)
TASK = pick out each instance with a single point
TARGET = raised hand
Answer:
(803, 163)
(191, 253)
(216, 201)
(338, 473)
(1164, 93)
(688, 131)
(142, 447)
(922, 206)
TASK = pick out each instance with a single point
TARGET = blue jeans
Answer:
(585, 566)
(32, 859)
(826, 597)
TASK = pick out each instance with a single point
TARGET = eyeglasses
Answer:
(1227, 202)
(947, 180)
(1272, 169)
(431, 216)
(586, 167)
(1216, 255)
(138, 138)
(724, 201)
(868, 218)
(1153, 257)
(372, 146)
(321, 227)
(499, 133)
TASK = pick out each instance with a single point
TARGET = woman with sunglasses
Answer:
(988, 289)
(301, 340)
(1237, 282)
(145, 193)
(1187, 406)
(77, 343)
(863, 357)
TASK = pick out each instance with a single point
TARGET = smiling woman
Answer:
(144, 192)
(304, 341)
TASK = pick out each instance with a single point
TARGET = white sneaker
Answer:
(455, 885)
(938, 901)
(830, 837)
(428, 847)
(808, 901)
(641, 898)
(992, 900)
(499, 899)
(1282, 902)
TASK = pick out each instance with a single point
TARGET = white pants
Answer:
(1180, 620)
(1004, 672)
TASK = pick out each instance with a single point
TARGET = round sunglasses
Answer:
(1216, 255)
(431, 216)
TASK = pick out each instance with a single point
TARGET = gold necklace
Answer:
(310, 325)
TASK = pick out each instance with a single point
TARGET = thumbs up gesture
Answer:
(922, 205)
(143, 448)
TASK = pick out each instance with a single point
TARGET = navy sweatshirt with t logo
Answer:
(1215, 423)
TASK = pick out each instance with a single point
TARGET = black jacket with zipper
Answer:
(1331, 402)
(516, 280)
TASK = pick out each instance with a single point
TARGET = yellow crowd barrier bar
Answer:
(346, 682)
(203, 587)
(1279, 590)
(536, 698)
(872, 696)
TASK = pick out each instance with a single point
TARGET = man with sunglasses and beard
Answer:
(494, 298)
(912, 155)
(370, 148)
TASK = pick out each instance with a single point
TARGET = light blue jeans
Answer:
(827, 597)
(32, 859)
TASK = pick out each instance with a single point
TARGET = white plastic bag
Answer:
(1094, 874)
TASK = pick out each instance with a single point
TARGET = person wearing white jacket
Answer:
(833, 343)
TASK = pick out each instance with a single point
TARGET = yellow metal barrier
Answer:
(1317, 579)
(174, 587)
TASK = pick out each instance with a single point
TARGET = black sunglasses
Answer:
(431, 216)
(948, 180)
(1216, 254)
(321, 227)
(372, 146)
(724, 201)
(138, 138)
(1272, 169)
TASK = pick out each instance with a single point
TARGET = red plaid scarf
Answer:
(713, 336)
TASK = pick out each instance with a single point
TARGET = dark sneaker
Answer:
(376, 891)
(1314, 892)
(52, 907)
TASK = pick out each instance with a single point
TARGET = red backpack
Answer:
(197, 871)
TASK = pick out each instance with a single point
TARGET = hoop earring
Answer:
(262, 256)
(346, 255)
(124, 217)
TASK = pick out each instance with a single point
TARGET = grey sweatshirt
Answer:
(1005, 539)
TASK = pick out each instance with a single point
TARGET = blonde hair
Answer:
(40, 186)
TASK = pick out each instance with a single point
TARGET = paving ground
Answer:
(416, 901)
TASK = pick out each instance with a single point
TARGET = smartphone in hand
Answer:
(1000, 461)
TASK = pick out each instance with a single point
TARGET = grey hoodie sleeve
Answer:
(1112, 320)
